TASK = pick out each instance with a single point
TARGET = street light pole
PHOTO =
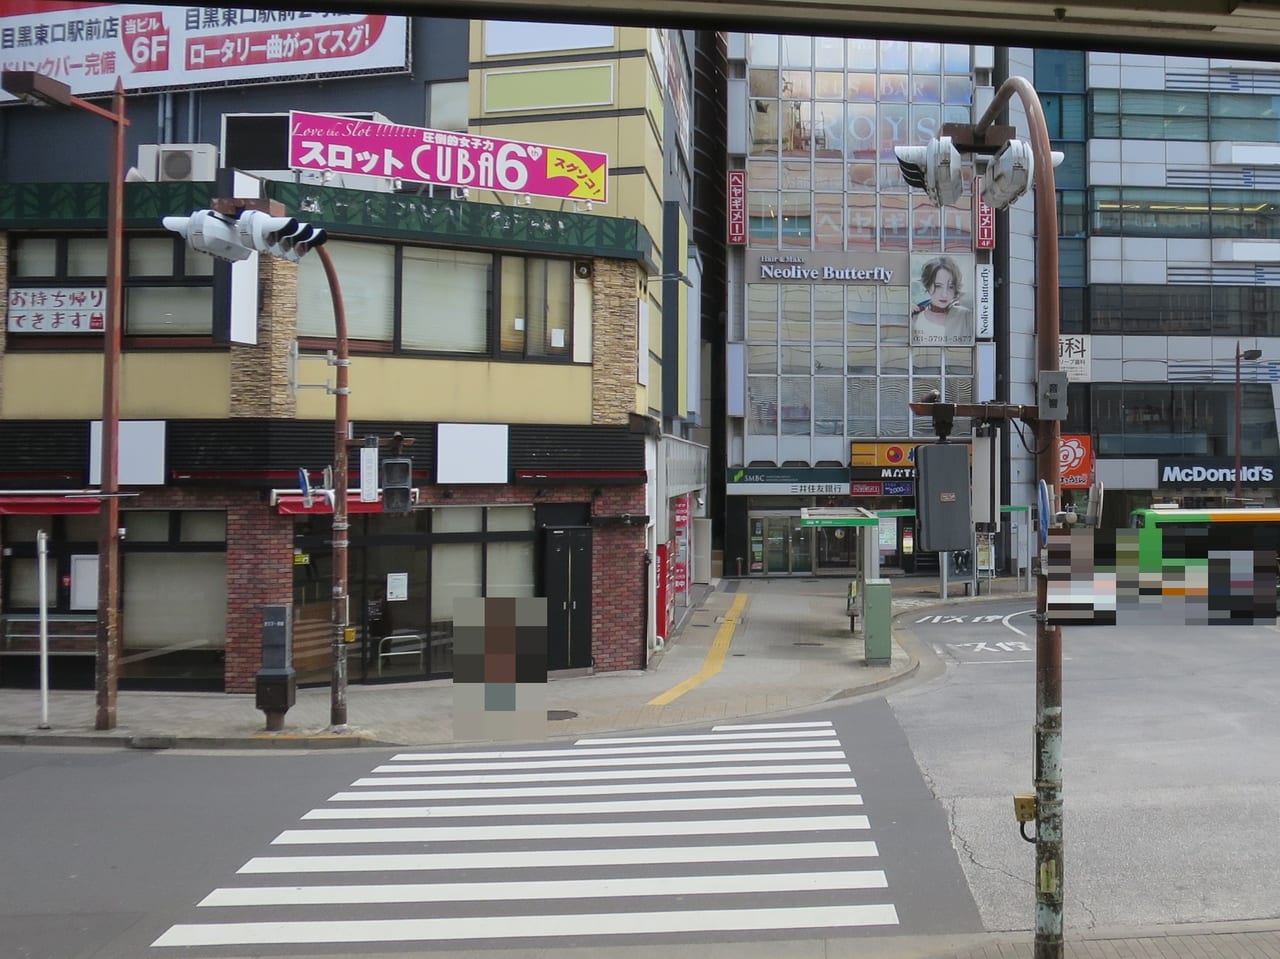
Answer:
(1048, 730)
(108, 655)
(1246, 355)
(341, 527)
(40, 89)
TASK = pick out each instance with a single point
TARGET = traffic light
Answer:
(397, 484)
(934, 168)
(211, 233)
(1010, 172)
(281, 236)
(253, 231)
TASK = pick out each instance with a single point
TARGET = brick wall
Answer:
(619, 583)
(260, 372)
(614, 333)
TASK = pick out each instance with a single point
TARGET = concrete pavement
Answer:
(791, 650)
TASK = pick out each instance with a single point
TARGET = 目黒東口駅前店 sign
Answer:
(320, 141)
(149, 45)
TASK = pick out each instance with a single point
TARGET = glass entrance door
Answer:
(777, 548)
(788, 546)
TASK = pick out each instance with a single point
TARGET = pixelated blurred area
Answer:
(500, 668)
(1213, 575)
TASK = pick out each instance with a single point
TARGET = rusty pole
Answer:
(1048, 729)
(107, 677)
(341, 528)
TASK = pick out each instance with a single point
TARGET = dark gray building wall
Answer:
(73, 146)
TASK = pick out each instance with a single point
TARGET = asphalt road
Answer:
(745, 834)
(1171, 746)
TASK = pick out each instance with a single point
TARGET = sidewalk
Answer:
(792, 649)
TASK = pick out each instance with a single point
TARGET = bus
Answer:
(1172, 541)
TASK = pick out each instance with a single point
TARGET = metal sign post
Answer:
(42, 574)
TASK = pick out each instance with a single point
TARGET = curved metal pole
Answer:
(1048, 738)
(338, 683)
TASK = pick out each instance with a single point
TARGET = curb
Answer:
(162, 742)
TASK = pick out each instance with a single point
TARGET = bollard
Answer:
(877, 622)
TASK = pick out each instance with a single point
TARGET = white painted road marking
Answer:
(552, 858)
(773, 828)
(610, 761)
(571, 831)
(526, 927)
(579, 789)
(583, 808)
(544, 889)
(596, 775)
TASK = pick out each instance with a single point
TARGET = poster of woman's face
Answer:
(942, 299)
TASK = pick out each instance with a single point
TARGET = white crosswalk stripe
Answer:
(749, 828)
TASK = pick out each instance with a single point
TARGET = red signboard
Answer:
(866, 489)
(984, 228)
(1075, 461)
(737, 226)
(664, 598)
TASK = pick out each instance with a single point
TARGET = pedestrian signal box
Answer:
(944, 509)
(397, 484)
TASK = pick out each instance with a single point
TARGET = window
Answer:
(367, 274)
(535, 297)
(446, 300)
(168, 288)
(439, 300)
(1178, 309)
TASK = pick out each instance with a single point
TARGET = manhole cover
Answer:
(554, 714)
(808, 644)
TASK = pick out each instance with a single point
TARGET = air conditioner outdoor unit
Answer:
(178, 162)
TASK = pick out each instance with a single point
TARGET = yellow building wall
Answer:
(152, 386)
(408, 388)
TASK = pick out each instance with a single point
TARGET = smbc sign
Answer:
(1214, 473)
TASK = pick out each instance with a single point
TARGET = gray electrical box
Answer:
(944, 509)
(1051, 395)
(277, 636)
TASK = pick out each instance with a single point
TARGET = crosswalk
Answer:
(748, 828)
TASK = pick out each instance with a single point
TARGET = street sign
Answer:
(837, 516)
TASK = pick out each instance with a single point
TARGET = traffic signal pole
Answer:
(985, 137)
(341, 527)
(233, 229)
(1048, 729)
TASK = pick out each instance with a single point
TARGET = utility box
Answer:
(943, 505)
(877, 622)
(276, 684)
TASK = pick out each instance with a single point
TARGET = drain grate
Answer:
(808, 644)
(555, 714)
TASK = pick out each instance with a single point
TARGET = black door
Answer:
(566, 565)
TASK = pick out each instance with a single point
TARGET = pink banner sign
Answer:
(318, 141)
(737, 188)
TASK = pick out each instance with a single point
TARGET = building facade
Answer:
(1168, 199)
(838, 316)
(538, 356)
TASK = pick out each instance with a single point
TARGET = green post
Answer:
(877, 627)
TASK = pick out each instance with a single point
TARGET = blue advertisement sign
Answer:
(899, 488)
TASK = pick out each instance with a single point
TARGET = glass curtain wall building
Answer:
(835, 324)
(1170, 203)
